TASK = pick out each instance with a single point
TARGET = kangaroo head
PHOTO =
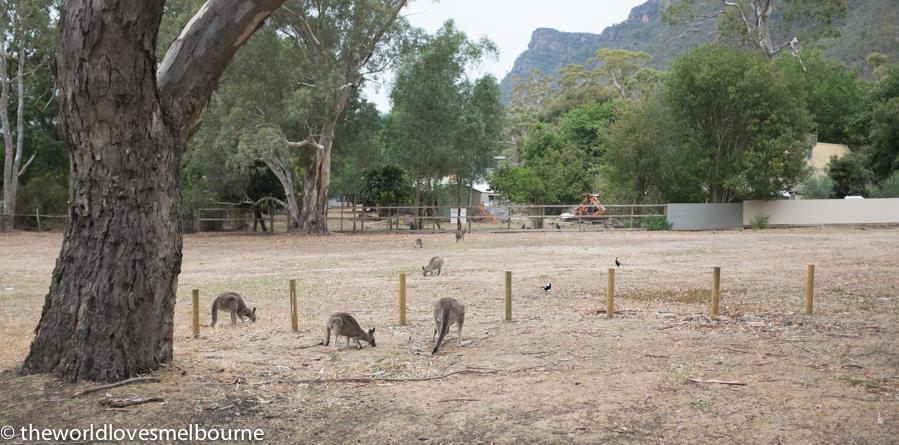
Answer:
(371, 337)
(424, 270)
(252, 315)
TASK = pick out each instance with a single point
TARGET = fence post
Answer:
(508, 295)
(610, 295)
(402, 298)
(37, 214)
(716, 288)
(294, 318)
(196, 309)
(809, 288)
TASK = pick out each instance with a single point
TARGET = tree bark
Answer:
(317, 188)
(287, 178)
(9, 170)
(109, 312)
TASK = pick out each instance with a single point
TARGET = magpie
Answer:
(547, 287)
(617, 262)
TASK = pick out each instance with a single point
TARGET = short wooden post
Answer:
(294, 317)
(508, 295)
(402, 298)
(610, 295)
(716, 288)
(809, 288)
(271, 218)
(37, 214)
(196, 309)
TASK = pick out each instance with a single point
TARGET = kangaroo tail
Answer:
(215, 312)
(327, 336)
(444, 329)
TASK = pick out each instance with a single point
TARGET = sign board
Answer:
(454, 215)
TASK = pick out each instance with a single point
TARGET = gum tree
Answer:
(125, 120)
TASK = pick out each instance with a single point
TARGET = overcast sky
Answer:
(509, 24)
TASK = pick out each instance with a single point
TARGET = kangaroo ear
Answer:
(254, 310)
(371, 331)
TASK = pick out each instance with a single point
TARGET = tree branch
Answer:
(25, 167)
(196, 59)
(306, 142)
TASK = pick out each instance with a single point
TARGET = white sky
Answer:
(509, 24)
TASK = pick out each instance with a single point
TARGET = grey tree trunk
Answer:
(287, 178)
(109, 312)
(317, 188)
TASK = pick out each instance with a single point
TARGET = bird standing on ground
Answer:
(617, 262)
(547, 287)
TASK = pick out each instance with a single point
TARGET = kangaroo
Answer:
(418, 243)
(446, 312)
(460, 235)
(436, 263)
(232, 302)
(344, 324)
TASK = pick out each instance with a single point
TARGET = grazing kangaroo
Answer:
(436, 263)
(460, 235)
(446, 312)
(343, 324)
(231, 302)
(418, 243)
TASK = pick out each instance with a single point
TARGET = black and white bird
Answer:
(547, 287)
(617, 262)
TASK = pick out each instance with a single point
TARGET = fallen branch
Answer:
(460, 400)
(410, 379)
(120, 402)
(309, 346)
(722, 382)
(145, 379)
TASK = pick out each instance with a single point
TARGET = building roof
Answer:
(819, 155)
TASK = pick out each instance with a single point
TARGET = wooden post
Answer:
(402, 298)
(508, 295)
(196, 314)
(37, 214)
(271, 218)
(294, 317)
(716, 288)
(610, 295)
(509, 219)
(809, 288)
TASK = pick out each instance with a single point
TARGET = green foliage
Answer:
(384, 186)
(759, 221)
(744, 124)
(883, 152)
(849, 174)
(519, 185)
(836, 99)
(888, 188)
(657, 222)
(46, 193)
(442, 123)
(818, 187)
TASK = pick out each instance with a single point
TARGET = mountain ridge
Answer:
(869, 26)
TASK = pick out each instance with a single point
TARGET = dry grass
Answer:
(557, 373)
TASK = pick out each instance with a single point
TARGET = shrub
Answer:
(818, 187)
(760, 221)
(657, 222)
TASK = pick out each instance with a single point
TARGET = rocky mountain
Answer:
(870, 26)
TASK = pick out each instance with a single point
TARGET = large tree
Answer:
(435, 107)
(744, 123)
(125, 120)
(344, 43)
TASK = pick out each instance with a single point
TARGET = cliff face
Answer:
(869, 26)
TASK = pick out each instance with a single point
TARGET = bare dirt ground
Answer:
(558, 373)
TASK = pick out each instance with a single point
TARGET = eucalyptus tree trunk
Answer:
(109, 312)
(317, 188)
(287, 178)
(12, 165)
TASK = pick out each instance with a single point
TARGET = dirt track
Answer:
(558, 372)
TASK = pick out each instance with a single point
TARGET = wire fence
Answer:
(402, 219)
(363, 219)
